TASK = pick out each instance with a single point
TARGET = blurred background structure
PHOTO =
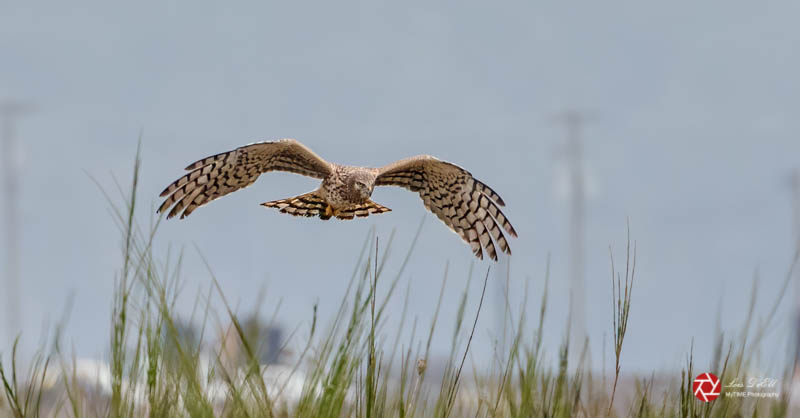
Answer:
(794, 184)
(699, 105)
(9, 112)
(572, 152)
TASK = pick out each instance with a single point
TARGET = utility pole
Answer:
(9, 112)
(573, 121)
(794, 182)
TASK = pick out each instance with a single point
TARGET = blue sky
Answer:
(694, 136)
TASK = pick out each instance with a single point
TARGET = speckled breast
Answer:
(335, 189)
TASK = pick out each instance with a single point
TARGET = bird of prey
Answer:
(467, 206)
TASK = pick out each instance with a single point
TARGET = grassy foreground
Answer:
(350, 366)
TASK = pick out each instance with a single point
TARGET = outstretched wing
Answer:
(467, 206)
(218, 175)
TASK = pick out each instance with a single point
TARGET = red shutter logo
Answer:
(706, 387)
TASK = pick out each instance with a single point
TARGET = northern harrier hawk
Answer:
(470, 208)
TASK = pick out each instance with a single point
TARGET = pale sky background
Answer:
(697, 114)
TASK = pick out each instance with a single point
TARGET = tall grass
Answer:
(621, 303)
(351, 365)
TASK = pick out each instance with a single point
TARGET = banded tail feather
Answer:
(311, 204)
(361, 210)
(308, 205)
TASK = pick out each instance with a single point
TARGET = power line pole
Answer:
(795, 185)
(9, 112)
(573, 121)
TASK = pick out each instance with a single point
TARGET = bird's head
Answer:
(361, 185)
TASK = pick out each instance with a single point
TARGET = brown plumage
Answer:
(467, 206)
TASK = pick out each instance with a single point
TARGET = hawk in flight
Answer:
(467, 206)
